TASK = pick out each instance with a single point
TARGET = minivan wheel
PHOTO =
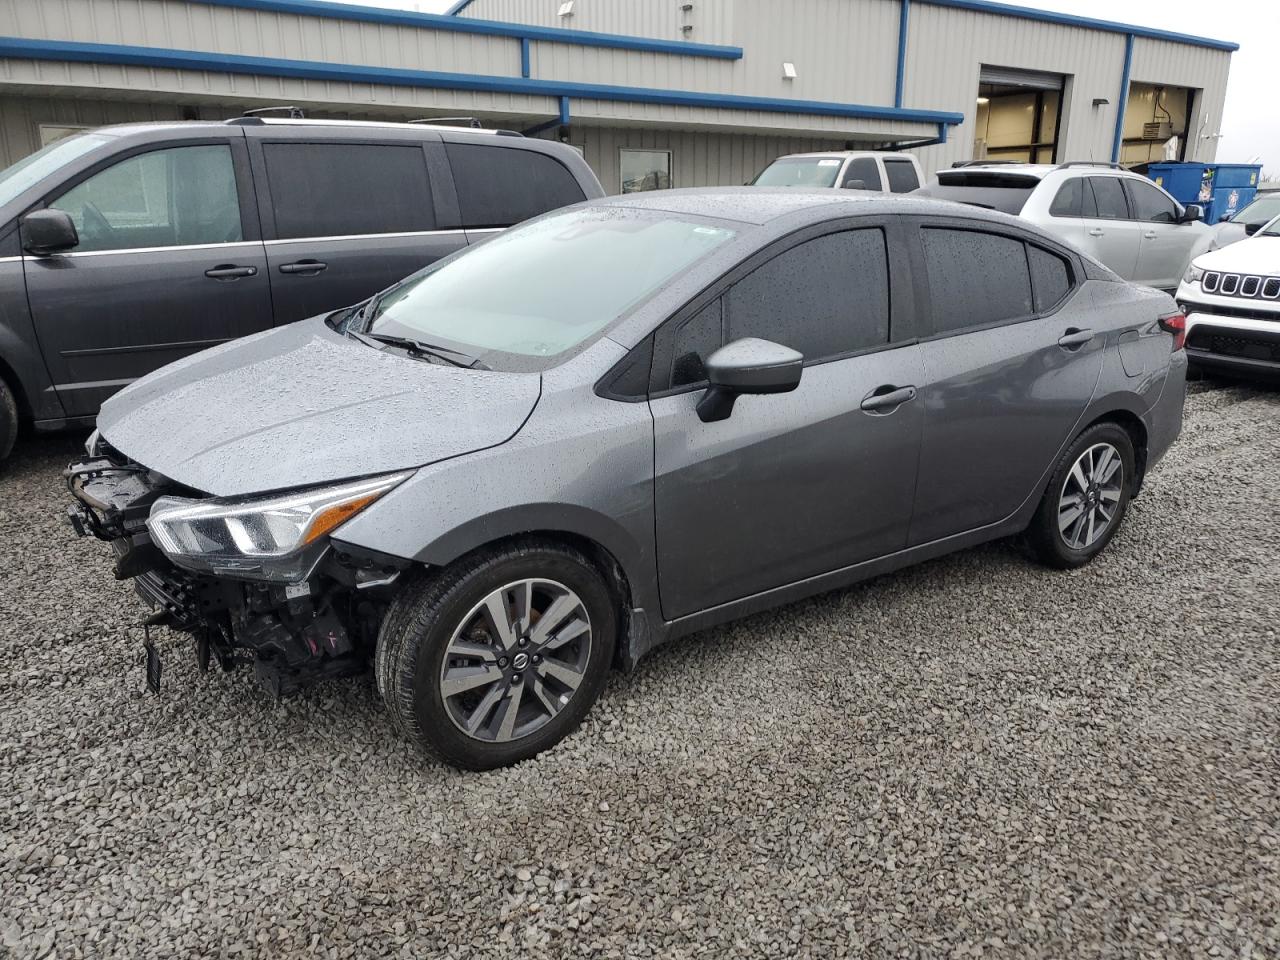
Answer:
(1086, 499)
(495, 659)
(8, 420)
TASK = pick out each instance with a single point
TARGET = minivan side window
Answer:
(824, 297)
(866, 170)
(499, 186)
(348, 189)
(975, 278)
(1108, 194)
(1150, 204)
(166, 198)
(902, 176)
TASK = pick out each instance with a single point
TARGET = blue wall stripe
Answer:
(316, 70)
(435, 21)
(904, 14)
(1123, 103)
(1071, 20)
(524, 56)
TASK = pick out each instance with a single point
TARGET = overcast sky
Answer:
(1251, 125)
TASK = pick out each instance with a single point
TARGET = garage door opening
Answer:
(1153, 117)
(1019, 113)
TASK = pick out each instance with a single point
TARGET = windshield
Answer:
(1272, 229)
(543, 288)
(799, 172)
(1260, 211)
(31, 170)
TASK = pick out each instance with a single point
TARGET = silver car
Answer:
(1119, 218)
(618, 424)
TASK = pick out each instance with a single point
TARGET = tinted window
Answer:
(695, 340)
(827, 296)
(1050, 277)
(499, 186)
(975, 278)
(866, 170)
(902, 176)
(345, 189)
(992, 189)
(1149, 203)
(1067, 202)
(166, 198)
(1108, 194)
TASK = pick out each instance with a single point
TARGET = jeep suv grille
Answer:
(1241, 285)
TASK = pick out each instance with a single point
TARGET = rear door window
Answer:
(865, 169)
(1108, 195)
(499, 186)
(975, 278)
(902, 175)
(1050, 277)
(1069, 200)
(1149, 203)
(348, 189)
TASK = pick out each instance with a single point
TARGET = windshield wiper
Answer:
(418, 348)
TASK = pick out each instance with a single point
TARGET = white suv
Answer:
(1120, 218)
(1231, 299)
(848, 169)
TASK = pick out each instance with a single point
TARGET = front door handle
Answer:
(307, 268)
(229, 271)
(1096, 232)
(888, 398)
(1074, 339)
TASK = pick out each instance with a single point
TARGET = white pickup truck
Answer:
(847, 169)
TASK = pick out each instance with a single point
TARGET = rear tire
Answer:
(1087, 498)
(8, 420)
(480, 694)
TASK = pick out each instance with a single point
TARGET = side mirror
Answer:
(749, 365)
(1251, 228)
(48, 231)
(1191, 213)
(855, 184)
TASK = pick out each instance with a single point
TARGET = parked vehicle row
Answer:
(616, 424)
(126, 248)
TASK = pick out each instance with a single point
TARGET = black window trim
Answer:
(901, 297)
(1076, 274)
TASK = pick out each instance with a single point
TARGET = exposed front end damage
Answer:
(324, 625)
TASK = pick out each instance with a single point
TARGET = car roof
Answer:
(845, 153)
(760, 205)
(155, 126)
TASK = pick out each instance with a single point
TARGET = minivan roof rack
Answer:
(316, 122)
(451, 121)
(290, 111)
(1089, 163)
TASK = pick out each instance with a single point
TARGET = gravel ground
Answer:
(977, 757)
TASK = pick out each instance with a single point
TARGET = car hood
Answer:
(302, 405)
(1256, 255)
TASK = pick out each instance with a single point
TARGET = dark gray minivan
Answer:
(126, 248)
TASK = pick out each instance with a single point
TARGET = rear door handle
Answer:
(1149, 235)
(307, 267)
(887, 398)
(1074, 338)
(229, 271)
(1096, 232)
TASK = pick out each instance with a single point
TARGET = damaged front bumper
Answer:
(293, 634)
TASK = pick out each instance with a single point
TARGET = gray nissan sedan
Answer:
(620, 423)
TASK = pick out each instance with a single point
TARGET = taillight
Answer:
(1175, 323)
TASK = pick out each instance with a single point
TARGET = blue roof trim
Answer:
(1071, 20)
(436, 21)
(316, 70)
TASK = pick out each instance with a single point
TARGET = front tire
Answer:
(498, 657)
(1087, 498)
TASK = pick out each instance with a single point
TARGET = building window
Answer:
(645, 170)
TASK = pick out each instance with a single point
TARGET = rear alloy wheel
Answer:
(1086, 499)
(8, 420)
(500, 656)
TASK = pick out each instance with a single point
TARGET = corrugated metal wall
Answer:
(711, 20)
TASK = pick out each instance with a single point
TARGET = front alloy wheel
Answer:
(499, 656)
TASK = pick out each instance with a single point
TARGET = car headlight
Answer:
(277, 538)
(1193, 274)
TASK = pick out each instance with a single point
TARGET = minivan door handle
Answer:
(1074, 339)
(887, 398)
(306, 267)
(229, 271)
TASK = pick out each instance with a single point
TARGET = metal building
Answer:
(655, 92)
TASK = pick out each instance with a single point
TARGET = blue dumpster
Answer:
(1223, 189)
